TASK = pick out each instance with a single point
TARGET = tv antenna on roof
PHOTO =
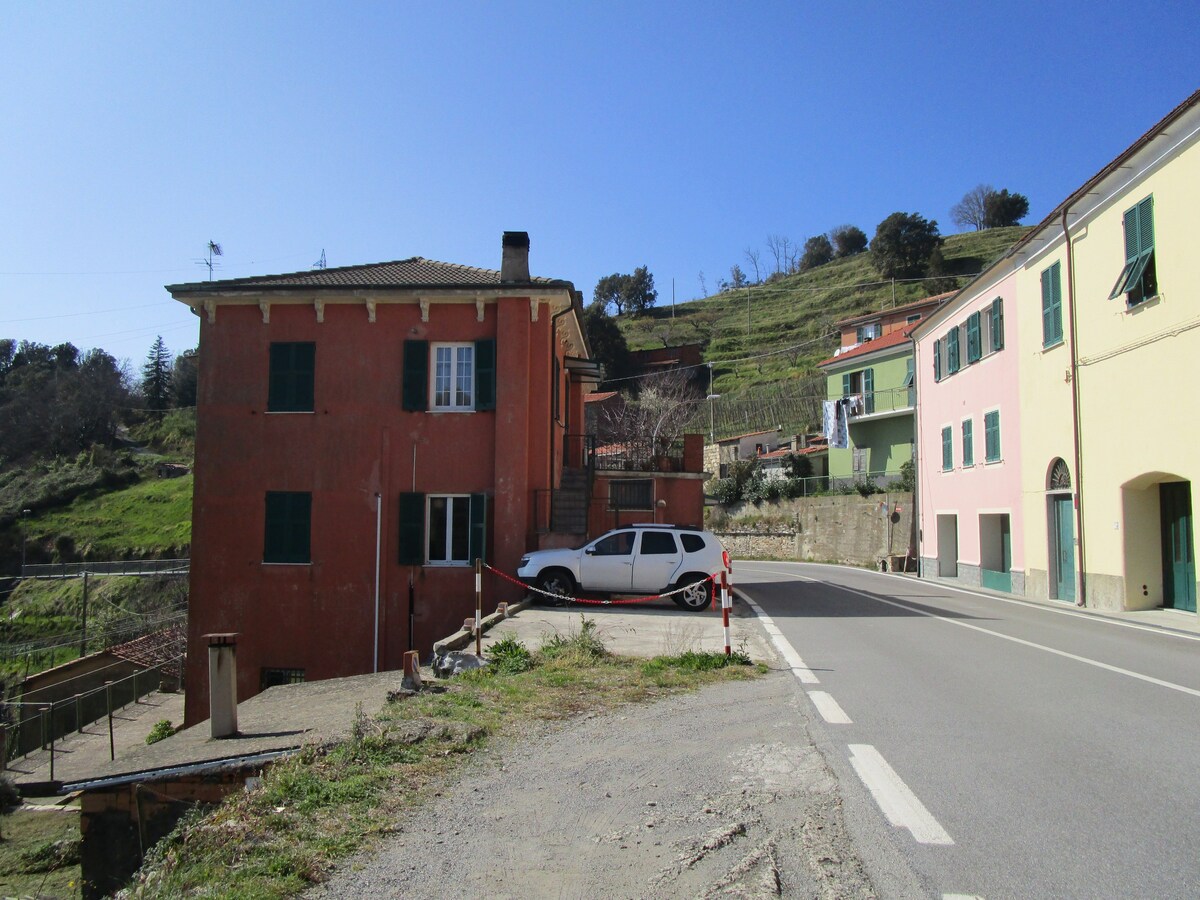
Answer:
(320, 263)
(214, 249)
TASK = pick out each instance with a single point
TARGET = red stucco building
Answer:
(363, 433)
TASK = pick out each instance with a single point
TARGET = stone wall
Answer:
(838, 528)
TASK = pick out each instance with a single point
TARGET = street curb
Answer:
(463, 637)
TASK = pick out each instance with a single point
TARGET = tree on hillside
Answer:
(634, 293)
(971, 210)
(606, 342)
(737, 278)
(754, 257)
(156, 377)
(1002, 209)
(848, 240)
(785, 253)
(940, 280)
(903, 243)
(183, 379)
(53, 402)
(817, 251)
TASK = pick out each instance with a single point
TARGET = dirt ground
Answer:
(720, 793)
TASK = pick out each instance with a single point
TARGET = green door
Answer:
(1064, 547)
(1179, 563)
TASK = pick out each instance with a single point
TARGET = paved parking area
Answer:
(653, 628)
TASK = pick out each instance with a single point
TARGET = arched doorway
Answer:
(1060, 522)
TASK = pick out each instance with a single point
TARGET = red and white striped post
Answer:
(726, 603)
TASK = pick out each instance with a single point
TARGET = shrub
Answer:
(725, 490)
(508, 656)
(162, 730)
(908, 477)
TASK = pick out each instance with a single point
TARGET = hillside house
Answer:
(363, 434)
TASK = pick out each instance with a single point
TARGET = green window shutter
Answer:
(290, 380)
(998, 324)
(991, 436)
(1145, 217)
(974, 338)
(947, 449)
(952, 351)
(1133, 244)
(869, 390)
(412, 529)
(485, 374)
(416, 376)
(846, 385)
(968, 441)
(478, 527)
(1052, 305)
(937, 360)
(1139, 252)
(287, 531)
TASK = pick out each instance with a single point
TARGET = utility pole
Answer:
(83, 629)
(747, 317)
(24, 513)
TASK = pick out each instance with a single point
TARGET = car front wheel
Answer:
(696, 595)
(558, 582)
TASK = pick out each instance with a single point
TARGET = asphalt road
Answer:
(996, 748)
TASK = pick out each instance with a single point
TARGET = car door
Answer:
(607, 563)
(656, 561)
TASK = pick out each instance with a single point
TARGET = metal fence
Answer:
(38, 726)
(640, 456)
(119, 567)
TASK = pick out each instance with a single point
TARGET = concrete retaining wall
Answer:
(838, 528)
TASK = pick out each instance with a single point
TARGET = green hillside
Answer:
(791, 318)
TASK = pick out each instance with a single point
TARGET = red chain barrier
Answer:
(711, 579)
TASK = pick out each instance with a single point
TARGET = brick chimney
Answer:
(514, 266)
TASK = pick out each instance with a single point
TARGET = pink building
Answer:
(968, 439)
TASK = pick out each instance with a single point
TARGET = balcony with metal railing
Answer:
(882, 404)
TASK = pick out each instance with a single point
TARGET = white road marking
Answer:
(899, 804)
(829, 708)
(1064, 610)
(961, 897)
(786, 650)
(1149, 679)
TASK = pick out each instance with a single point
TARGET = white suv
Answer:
(635, 559)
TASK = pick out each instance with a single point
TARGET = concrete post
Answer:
(222, 684)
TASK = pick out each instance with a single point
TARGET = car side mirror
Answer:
(590, 551)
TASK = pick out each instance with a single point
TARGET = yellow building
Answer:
(1110, 424)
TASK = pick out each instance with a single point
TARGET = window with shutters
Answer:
(968, 443)
(991, 436)
(290, 379)
(1138, 280)
(937, 360)
(288, 527)
(449, 377)
(974, 338)
(947, 449)
(1052, 332)
(442, 529)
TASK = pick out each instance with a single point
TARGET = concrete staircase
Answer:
(570, 509)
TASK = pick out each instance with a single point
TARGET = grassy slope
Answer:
(151, 518)
(28, 867)
(797, 309)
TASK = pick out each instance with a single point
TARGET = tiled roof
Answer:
(738, 437)
(893, 339)
(775, 454)
(875, 314)
(598, 396)
(404, 273)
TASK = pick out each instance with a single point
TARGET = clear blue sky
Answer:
(617, 134)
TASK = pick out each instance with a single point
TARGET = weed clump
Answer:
(508, 656)
(162, 730)
(584, 645)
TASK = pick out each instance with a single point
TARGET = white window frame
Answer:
(455, 378)
(448, 536)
